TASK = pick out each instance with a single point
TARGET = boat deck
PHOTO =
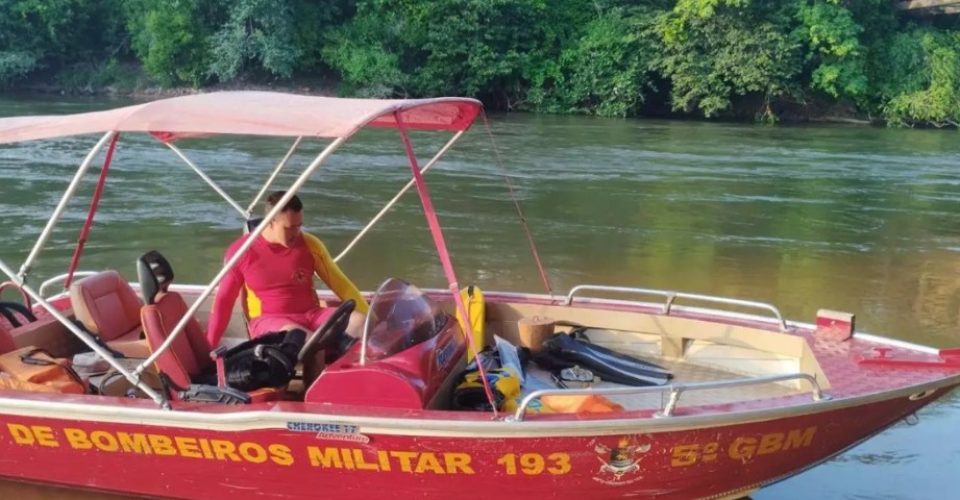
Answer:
(689, 372)
(686, 372)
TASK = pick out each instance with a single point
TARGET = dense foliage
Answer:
(607, 57)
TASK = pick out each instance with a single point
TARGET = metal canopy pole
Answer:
(208, 180)
(273, 176)
(403, 191)
(240, 252)
(434, 223)
(134, 378)
(58, 211)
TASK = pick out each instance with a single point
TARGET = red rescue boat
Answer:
(750, 398)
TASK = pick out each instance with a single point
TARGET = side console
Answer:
(396, 376)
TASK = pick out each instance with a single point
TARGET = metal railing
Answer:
(675, 390)
(61, 277)
(672, 296)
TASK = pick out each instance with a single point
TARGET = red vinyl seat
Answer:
(107, 306)
(6, 340)
(189, 354)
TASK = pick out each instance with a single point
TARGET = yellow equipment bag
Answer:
(470, 394)
(474, 304)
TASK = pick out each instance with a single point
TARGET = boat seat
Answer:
(6, 340)
(107, 306)
(39, 328)
(189, 354)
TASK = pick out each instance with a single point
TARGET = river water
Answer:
(857, 219)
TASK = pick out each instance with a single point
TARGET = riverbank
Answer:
(130, 81)
(837, 113)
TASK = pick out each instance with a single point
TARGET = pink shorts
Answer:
(275, 322)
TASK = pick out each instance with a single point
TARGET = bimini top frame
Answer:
(251, 113)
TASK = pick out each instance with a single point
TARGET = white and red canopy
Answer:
(250, 113)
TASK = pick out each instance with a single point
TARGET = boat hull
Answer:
(339, 456)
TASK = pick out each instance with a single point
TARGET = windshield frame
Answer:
(392, 290)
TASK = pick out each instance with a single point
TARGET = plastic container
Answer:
(533, 331)
(90, 362)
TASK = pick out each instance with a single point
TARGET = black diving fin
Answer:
(609, 365)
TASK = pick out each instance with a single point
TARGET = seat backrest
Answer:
(106, 304)
(251, 224)
(155, 275)
(189, 352)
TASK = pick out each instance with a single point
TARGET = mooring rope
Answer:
(516, 203)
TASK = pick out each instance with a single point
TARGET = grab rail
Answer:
(23, 295)
(59, 278)
(671, 296)
(676, 390)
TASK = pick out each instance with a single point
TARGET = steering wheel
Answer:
(9, 310)
(334, 326)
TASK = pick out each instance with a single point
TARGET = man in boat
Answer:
(276, 273)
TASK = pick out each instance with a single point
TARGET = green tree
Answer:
(171, 39)
(607, 69)
(313, 21)
(844, 40)
(715, 50)
(15, 64)
(20, 51)
(367, 53)
(472, 47)
(37, 34)
(922, 84)
(257, 30)
(833, 35)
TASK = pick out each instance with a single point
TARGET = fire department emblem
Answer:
(621, 463)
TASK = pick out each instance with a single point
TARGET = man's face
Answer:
(285, 228)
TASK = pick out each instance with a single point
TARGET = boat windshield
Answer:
(400, 317)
